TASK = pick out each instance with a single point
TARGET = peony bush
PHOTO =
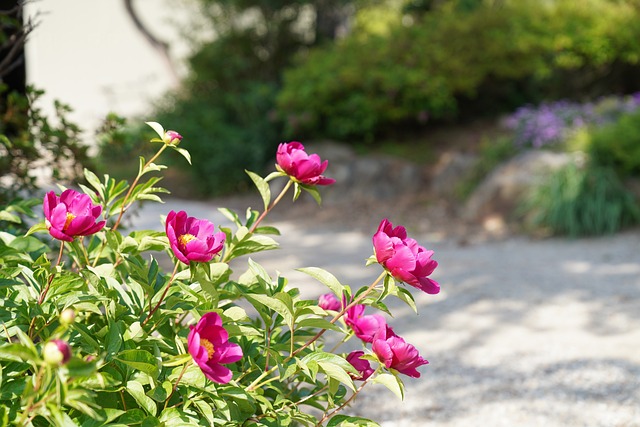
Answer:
(96, 333)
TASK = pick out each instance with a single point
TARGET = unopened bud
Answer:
(56, 352)
(171, 137)
(67, 316)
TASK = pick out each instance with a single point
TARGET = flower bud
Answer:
(56, 352)
(171, 137)
(67, 316)
(329, 302)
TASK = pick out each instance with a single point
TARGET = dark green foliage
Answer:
(618, 145)
(223, 134)
(459, 60)
(581, 201)
(226, 108)
(29, 140)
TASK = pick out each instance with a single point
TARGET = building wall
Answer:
(88, 54)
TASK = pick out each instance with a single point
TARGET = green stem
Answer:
(124, 206)
(342, 312)
(270, 207)
(256, 383)
(43, 294)
(133, 185)
(341, 407)
(175, 386)
(164, 294)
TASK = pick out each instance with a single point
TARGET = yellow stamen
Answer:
(70, 218)
(186, 238)
(210, 349)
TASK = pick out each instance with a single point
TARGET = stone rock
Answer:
(365, 178)
(447, 173)
(501, 192)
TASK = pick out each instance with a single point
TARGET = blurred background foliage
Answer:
(366, 72)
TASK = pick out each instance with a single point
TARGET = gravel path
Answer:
(524, 333)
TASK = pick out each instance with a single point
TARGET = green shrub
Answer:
(30, 140)
(484, 59)
(618, 145)
(581, 201)
(225, 135)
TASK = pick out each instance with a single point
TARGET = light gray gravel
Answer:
(524, 333)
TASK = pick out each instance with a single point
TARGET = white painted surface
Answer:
(88, 54)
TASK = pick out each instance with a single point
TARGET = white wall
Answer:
(88, 54)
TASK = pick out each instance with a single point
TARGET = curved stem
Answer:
(175, 386)
(256, 383)
(43, 294)
(341, 407)
(342, 312)
(133, 185)
(273, 204)
(164, 294)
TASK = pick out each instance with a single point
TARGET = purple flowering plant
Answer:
(95, 332)
(552, 123)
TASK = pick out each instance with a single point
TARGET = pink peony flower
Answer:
(368, 327)
(193, 239)
(56, 352)
(395, 353)
(304, 168)
(362, 365)
(210, 348)
(329, 302)
(172, 137)
(70, 215)
(402, 257)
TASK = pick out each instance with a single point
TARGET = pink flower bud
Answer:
(329, 302)
(171, 137)
(362, 365)
(56, 352)
(70, 215)
(68, 316)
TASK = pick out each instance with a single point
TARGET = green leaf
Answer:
(94, 181)
(136, 390)
(184, 153)
(325, 278)
(314, 322)
(7, 216)
(262, 186)
(311, 189)
(392, 382)
(40, 227)
(274, 304)
(140, 360)
(350, 421)
(157, 127)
